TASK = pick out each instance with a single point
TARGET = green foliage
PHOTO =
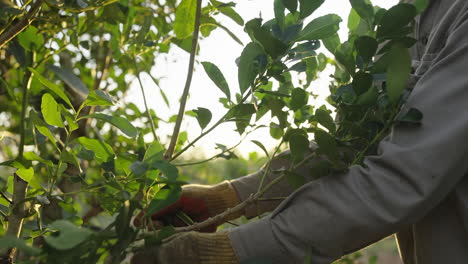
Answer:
(81, 58)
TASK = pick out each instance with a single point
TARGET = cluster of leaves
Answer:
(70, 71)
(78, 58)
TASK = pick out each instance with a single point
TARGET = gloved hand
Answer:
(190, 248)
(199, 202)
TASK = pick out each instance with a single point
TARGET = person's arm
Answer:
(415, 169)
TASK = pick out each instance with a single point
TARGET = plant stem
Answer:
(17, 212)
(221, 218)
(150, 117)
(215, 156)
(21, 25)
(183, 101)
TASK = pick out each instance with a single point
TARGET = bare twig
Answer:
(188, 82)
(21, 25)
(150, 117)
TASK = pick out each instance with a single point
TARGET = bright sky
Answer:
(221, 50)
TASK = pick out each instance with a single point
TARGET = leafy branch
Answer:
(21, 25)
(188, 82)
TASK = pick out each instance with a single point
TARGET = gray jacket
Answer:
(416, 186)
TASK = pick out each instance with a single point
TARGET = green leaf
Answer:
(102, 151)
(324, 118)
(162, 234)
(232, 14)
(295, 180)
(369, 97)
(30, 39)
(52, 87)
(217, 77)
(260, 145)
(71, 80)
(99, 98)
(13, 242)
(121, 123)
(51, 111)
(203, 116)
(163, 198)
(366, 47)
(145, 28)
(241, 110)
(299, 98)
(279, 8)
(27, 174)
(33, 156)
(291, 5)
(398, 72)
(42, 127)
(154, 153)
(248, 65)
(362, 82)
(412, 116)
(70, 118)
(298, 144)
(396, 18)
(309, 6)
(421, 5)
(273, 46)
(321, 28)
(170, 171)
(344, 55)
(326, 143)
(185, 18)
(69, 235)
(365, 10)
(332, 43)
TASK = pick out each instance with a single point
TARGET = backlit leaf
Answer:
(51, 111)
(321, 27)
(121, 123)
(398, 72)
(185, 18)
(217, 77)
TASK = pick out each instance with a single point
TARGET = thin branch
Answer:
(188, 82)
(223, 217)
(150, 117)
(215, 156)
(5, 197)
(21, 25)
(105, 68)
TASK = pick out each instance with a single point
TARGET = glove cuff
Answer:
(215, 249)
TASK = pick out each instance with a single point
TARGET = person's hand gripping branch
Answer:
(198, 202)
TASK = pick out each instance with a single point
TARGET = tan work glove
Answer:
(199, 202)
(190, 248)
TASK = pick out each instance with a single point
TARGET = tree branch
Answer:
(183, 101)
(17, 207)
(21, 25)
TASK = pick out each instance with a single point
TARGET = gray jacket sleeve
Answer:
(415, 169)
